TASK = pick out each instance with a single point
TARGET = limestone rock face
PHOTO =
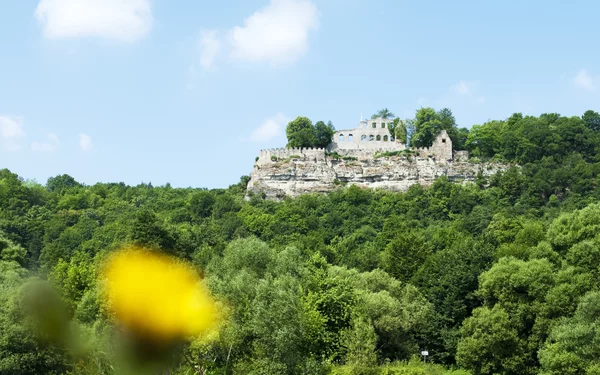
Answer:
(313, 172)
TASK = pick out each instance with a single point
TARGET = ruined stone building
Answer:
(369, 135)
(374, 135)
(367, 156)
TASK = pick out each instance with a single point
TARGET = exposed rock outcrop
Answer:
(292, 173)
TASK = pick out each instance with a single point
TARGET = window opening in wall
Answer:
(363, 138)
(374, 125)
(378, 138)
(383, 125)
(341, 138)
(443, 140)
(370, 138)
(350, 137)
(385, 138)
(392, 139)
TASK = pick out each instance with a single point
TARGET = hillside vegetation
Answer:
(497, 277)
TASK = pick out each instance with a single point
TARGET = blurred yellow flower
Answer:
(157, 296)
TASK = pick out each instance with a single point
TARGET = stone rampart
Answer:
(460, 156)
(283, 172)
(268, 156)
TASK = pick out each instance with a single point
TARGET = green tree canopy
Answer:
(323, 133)
(591, 120)
(302, 133)
(428, 123)
(383, 113)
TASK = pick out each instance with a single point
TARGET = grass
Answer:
(413, 367)
(335, 155)
(389, 154)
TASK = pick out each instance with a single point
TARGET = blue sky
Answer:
(189, 91)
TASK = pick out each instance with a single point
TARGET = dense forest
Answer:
(496, 277)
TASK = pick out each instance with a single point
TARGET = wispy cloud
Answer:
(11, 130)
(276, 34)
(121, 20)
(85, 142)
(269, 129)
(210, 47)
(583, 80)
(467, 89)
(48, 145)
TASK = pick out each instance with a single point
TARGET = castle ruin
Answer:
(369, 135)
(367, 156)
(369, 138)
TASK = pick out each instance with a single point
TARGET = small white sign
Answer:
(424, 353)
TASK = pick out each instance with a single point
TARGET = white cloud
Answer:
(85, 142)
(584, 81)
(11, 129)
(275, 34)
(50, 144)
(464, 88)
(210, 46)
(269, 129)
(466, 91)
(122, 20)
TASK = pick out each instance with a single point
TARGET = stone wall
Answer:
(364, 139)
(369, 135)
(266, 156)
(461, 156)
(441, 148)
(284, 172)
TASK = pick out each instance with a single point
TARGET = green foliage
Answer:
(491, 344)
(200, 204)
(591, 119)
(302, 133)
(383, 113)
(360, 343)
(496, 277)
(415, 366)
(61, 183)
(389, 154)
(428, 123)
(323, 133)
(572, 347)
(398, 129)
(403, 256)
(23, 349)
(11, 252)
(336, 156)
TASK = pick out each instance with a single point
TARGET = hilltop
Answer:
(368, 156)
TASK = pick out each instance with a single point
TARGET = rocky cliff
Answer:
(291, 173)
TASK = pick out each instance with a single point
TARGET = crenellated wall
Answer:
(265, 156)
(281, 172)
